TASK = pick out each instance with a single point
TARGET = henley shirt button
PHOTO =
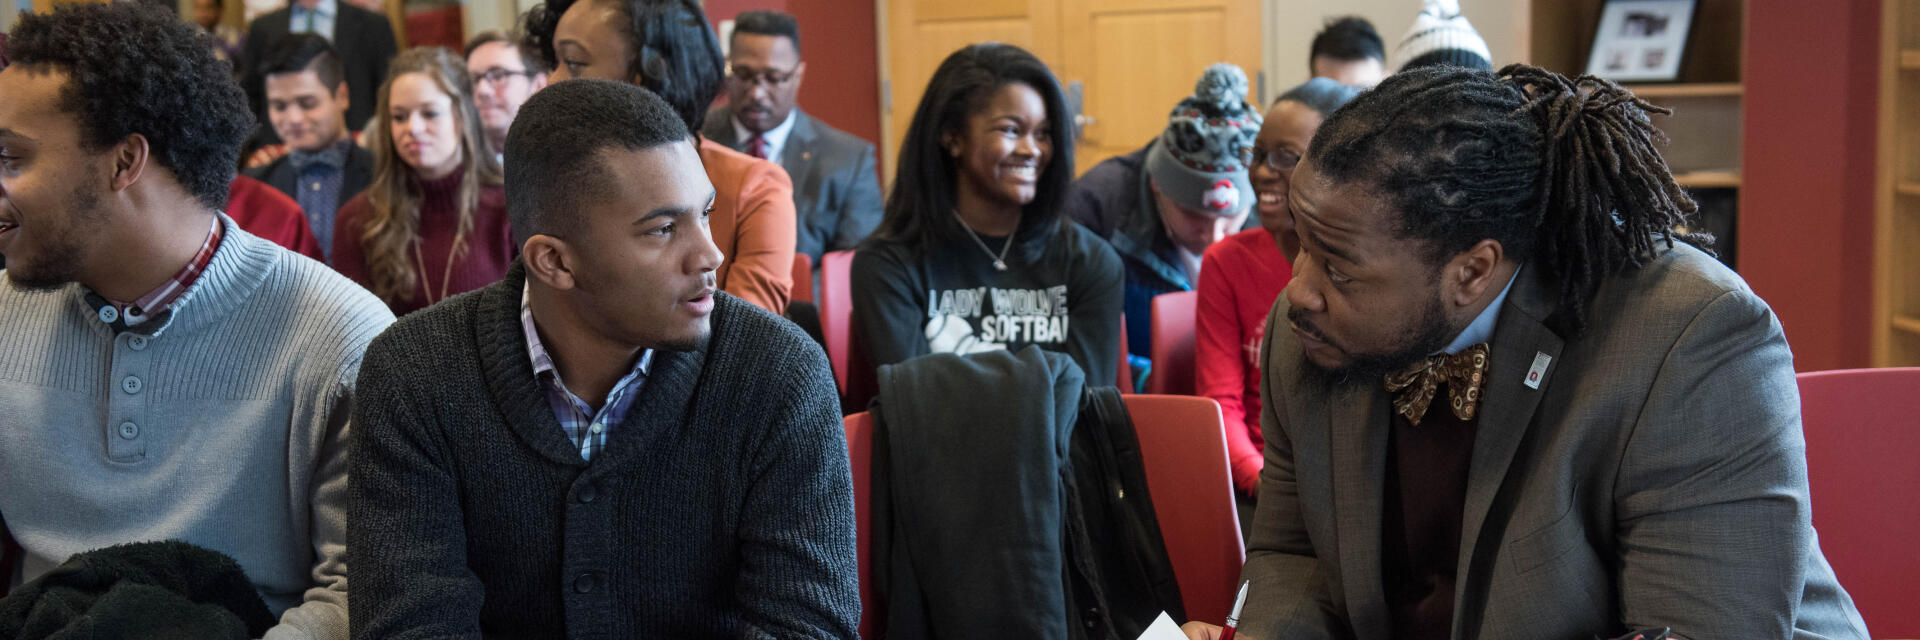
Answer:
(595, 429)
(130, 384)
(109, 314)
(129, 431)
(138, 343)
(584, 583)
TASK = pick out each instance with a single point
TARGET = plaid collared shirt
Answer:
(585, 427)
(160, 300)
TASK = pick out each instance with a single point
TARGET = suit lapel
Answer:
(719, 129)
(1507, 406)
(1357, 424)
(798, 153)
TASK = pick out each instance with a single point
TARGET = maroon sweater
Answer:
(489, 247)
(1426, 493)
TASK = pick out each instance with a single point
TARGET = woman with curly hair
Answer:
(434, 221)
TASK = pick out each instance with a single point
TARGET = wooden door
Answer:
(918, 34)
(1131, 59)
(1135, 59)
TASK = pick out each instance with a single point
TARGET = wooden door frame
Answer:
(889, 148)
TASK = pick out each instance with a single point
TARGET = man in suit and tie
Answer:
(363, 39)
(835, 190)
(1506, 398)
(307, 103)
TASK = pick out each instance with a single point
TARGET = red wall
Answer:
(1807, 193)
(839, 42)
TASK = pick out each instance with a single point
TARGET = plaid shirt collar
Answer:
(158, 302)
(584, 426)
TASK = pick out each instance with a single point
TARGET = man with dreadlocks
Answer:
(1504, 398)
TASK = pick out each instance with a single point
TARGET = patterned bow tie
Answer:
(1415, 387)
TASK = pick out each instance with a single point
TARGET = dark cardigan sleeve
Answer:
(799, 559)
(405, 530)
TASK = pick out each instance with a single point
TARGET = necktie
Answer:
(757, 147)
(1463, 372)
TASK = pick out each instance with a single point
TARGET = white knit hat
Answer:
(1440, 35)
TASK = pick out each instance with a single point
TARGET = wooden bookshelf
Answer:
(1704, 132)
(1708, 179)
(1896, 279)
(1688, 90)
(1909, 325)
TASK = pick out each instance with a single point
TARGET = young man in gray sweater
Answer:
(602, 445)
(163, 373)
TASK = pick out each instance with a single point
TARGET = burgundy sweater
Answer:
(1240, 277)
(489, 247)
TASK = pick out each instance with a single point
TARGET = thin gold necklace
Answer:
(446, 279)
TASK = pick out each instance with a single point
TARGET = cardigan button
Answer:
(586, 493)
(584, 583)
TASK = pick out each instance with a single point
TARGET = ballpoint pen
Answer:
(1233, 619)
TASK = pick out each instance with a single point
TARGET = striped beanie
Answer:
(1441, 36)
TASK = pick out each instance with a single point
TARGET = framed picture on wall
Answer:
(1641, 40)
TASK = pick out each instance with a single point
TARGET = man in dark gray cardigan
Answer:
(602, 445)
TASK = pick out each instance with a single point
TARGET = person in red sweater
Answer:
(434, 221)
(263, 211)
(1241, 276)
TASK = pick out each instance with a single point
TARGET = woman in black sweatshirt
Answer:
(973, 254)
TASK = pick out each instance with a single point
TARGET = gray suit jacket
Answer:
(835, 190)
(1656, 478)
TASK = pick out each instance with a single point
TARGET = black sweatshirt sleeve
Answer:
(887, 315)
(1094, 300)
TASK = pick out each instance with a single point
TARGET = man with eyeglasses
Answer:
(835, 190)
(505, 73)
(1162, 206)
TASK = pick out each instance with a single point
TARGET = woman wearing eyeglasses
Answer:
(1241, 276)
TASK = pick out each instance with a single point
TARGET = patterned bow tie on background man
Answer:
(1462, 372)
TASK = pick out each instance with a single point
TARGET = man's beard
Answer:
(59, 259)
(1428, 333)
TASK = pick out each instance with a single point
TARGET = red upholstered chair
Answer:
(1184, 449)
(860, 450)
(1126, 370)
(836, 310)
(1172, 348)
(1863, 440)
(802, 278)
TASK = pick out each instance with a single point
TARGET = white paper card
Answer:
(1163, 628)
